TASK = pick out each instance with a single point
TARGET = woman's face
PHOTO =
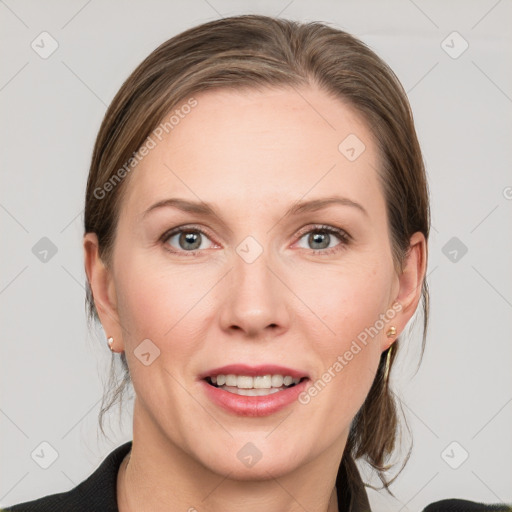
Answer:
(263, 278)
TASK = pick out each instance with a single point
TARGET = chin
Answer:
(262, 470)
(251, 457)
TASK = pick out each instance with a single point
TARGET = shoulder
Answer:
(54, 502)
(95, 494)
(456, 505)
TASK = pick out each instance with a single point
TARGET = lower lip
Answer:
(253, 405)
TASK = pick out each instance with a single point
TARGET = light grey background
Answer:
(52, 369)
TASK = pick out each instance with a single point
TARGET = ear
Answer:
(103, 289)
(410, 283)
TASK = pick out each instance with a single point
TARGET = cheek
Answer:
(350, 349)
(161, 303)
(167, 306)
(349, 299)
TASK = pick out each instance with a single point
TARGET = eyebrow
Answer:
(206, 209)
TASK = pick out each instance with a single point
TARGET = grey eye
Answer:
(188, 240)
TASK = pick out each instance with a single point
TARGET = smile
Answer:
(253, 390)
(260, 385)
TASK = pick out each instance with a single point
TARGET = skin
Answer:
(252, 155)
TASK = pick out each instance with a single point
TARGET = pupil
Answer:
(190, 238)
(321, 238)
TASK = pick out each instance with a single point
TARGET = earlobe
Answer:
(102, 286)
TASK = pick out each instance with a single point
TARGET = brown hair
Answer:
(253, 51)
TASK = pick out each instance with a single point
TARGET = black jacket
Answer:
(98, 494)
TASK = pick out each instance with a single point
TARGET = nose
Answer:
(256, 302)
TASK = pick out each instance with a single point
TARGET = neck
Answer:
(157, 475)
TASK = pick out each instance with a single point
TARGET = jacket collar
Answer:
(351, 498)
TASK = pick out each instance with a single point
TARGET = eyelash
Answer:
(343, 236)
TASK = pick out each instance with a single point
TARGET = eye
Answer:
(186, 240)
(322, 239)
(189, 240)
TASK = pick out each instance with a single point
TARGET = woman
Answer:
(256, 228)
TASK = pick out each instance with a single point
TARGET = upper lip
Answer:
(253, 371)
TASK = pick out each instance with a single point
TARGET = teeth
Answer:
(243, 382)
(260, 382)
(252, 392)
(263, 382)
(277, 381)
(231, 380)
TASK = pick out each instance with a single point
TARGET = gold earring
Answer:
(386, 370)
(110, 343)
(391, 332)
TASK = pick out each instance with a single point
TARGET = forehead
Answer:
(258, 148)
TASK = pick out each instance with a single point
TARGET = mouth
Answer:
(258, 385)
(253, 390)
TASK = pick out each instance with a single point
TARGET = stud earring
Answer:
(391, 332)
(110, 343)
